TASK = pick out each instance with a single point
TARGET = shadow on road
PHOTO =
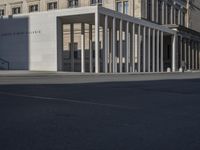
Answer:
(144, 115)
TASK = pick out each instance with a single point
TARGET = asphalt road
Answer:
(124, 115)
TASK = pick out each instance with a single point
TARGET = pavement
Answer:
(69, 111)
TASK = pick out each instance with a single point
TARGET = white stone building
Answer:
(108, 36)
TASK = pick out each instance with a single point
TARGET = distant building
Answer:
(108, 36)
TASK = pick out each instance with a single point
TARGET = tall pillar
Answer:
(157, 12)
(133, 49)
(110, 50)
(163, 12)
(114, 46)
(153, 10)
(179, 17)
(161, 53)
(166, 13)
(193, 55)
(120, 45)
(158, 51)
(181, 50)
(199, 55)
(144, 49)
(153, 50)
(174, 43)
(149, 49)
(72, 46)
(97, 63)
(82, 47)
(196, 55)
(106, 45)
(139, 49)
(171, 14)
(174, 15)
(127, 48)
(189, 54)
(185, 52)
(90, 47)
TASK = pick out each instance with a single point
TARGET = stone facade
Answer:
(136, 8)
(165, 33)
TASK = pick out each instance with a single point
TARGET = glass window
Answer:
(183, 19)
(149, 9)
(2, 13)
(160, 11)
(33, 8)
(72, 3)
(119, 7)
(16, 10)
(125, 8)
(96, 2)
(168, 14)
(122, 6)
(52, 5)
(176, 13)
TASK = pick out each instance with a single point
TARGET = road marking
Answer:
(67, 100)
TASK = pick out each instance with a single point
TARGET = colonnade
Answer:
(128, 46)
(169, 12)
(189, 52)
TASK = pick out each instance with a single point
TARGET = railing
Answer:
(4, 65)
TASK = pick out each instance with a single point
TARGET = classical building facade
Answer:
(108, 36)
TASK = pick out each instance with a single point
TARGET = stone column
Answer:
(144, 49)
(196, 54)
(171, 18)
(158, 51)
(153, 50)
(181, 51)
(72, 46)
(110, 50)
(82, 47)
(133, 49)
(174, 44)
(199, 55)
(106, 45)
(114, 46)
(153, 10)
(193, 55)
(149, 49)
(120, 45)
(127, 48)
(161, 53)
(185, 52)
(139, 49)
(189, 54)
(90, 47)
(157, 12)
(97, 63)
(179, 17)
(166, 14)
(163, 12)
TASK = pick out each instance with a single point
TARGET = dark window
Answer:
(96, 2)
(168, 14)
(149, 9)
(122, 6)
(2, 13)
(52, 6)
(183, 19)
(176, 13)
(160, 11)
(16, 10)
(33, 8)
(72, 3)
